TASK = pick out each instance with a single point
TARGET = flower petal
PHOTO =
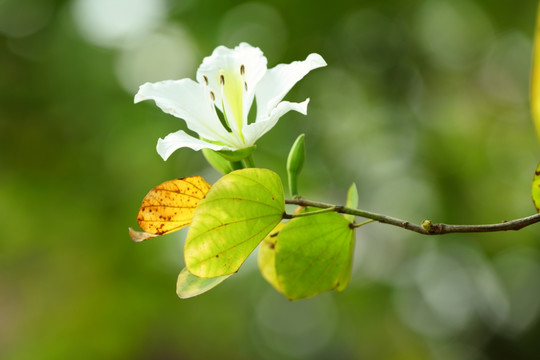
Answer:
(187, 100)
(254, 131)
(174, 141)
(228, 62)
(279, 80)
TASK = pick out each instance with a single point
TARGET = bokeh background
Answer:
(424, 105)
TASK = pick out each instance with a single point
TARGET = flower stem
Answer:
(248, 161)
(237, 165)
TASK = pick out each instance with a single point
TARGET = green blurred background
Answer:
(424, 104)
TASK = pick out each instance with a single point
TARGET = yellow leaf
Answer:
(535, 77)
(267, 257)
(170, 206)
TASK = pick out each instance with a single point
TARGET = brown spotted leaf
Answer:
(170, 206)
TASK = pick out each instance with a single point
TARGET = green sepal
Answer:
(237, 155)
(217, 161)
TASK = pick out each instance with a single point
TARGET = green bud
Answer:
(295, 162)
(426, 225)
(217, 161)
(352, 201)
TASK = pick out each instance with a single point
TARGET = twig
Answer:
(324, 210)
(427, 227)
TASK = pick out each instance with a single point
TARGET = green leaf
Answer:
(352, 201)
(311, 253)
(189, 285)
(535, 189)
(267, 257)
(237, 213)
(345, 275)
(535, 77)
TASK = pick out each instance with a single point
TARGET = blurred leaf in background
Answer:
(424, 105)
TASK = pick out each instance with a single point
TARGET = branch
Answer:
(427, 227)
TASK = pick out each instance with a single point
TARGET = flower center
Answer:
(232, 87)
(232, 84)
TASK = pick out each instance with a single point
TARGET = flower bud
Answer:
(295, 162)
(352, 202)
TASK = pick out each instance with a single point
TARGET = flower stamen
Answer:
(223, 108)
(231, 103)
(211, 97)
(243, 73)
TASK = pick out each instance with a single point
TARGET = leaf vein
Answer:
(230, 223)
(192, 184)
(261, 184)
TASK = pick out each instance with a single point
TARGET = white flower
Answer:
(228, 81)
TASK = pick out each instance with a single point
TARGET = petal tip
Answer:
(164, 149)
(139, 95)
(302, 109)
(244, 44)
(317, 60)
(138, 98)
